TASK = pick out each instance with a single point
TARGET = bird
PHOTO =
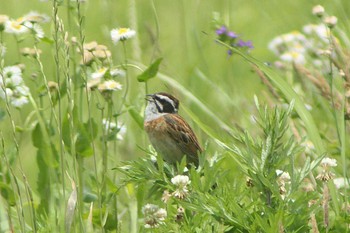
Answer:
(169, 133)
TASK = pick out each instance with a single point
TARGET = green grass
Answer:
(63, 170)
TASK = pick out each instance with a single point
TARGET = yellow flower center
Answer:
(16, 25)
(123, 30)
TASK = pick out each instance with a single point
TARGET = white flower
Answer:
(9, 93)
(153, 215)
(35, 17)
(283, 175)
(109, 85)
(121, 34)
(22, 90)
(318, 10)
(328, 162)
(111, 126)
(330, 21)
(122, 131)
(297, 58)
(99, 73)
(12, 84)
(341, 182)
(3, 19)
(36, 29)
(19, 102)
(2, 50)
(117, 72)
(15, 26)
(12, 72)
(319, 31)
(180, 180)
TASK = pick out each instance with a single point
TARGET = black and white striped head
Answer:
(159, 104)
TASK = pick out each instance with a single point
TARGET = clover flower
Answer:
(153, 215)
(181, 182)
(326, 175)
(122, 34)
(328, 162)
(12, 86)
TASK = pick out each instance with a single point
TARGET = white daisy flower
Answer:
(109, 125)
(99, 73)
(15, 26)
(36, 29)
(292, 56)
(35, 17)
(109, 85)
(121, 34)
(10, 71)
(19, 102)
(9, 93)
(117, 72)
(22, 90)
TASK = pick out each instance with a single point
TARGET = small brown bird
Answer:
(169, 133)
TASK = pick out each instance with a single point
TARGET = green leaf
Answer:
(136, 116)
(46, 150)
(7, 193)
(150, 72)
(47, 158)
(84, 133)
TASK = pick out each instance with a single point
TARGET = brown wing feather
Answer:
(184, 136)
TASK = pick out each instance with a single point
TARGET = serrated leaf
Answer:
(150, 72)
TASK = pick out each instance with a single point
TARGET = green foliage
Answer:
(74, 156)
(150, 72)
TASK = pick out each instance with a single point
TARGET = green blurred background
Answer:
(181, 32)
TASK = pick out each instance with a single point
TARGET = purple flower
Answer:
(242, 43)
(232, 35)
(221, 30)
